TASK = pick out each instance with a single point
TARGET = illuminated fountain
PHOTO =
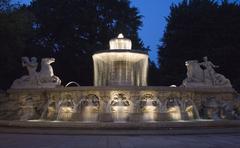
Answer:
(120, 66)
(120, 93)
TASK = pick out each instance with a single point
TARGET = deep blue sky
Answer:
(154, 13)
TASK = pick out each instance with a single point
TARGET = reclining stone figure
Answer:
(204, 77)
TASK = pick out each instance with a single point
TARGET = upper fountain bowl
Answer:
(120, 66)
(120, 43)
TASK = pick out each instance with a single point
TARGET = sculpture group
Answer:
(124, 100)
(198, 75)
(203, 75)
(45, 78)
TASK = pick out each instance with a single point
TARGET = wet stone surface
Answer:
(98, 141)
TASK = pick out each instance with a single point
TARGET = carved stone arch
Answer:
(149, 106)
(146, 98)
(89, 108)
(27, 110)
(120, 106)
(94, 99)
(173, 106)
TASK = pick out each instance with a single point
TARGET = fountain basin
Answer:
(45, 103)
(120, 68)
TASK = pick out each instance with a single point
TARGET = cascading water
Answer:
(27, 110)
(90, 112)
(120, 108)
(120, 66)
(149, 111)
(72, 83)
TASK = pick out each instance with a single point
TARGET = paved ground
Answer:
(83, 141)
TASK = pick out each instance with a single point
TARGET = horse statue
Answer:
(46, 73)
(43, 79)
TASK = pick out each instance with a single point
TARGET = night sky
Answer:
(154, 13)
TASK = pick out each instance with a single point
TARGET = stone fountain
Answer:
(120, 93)
(120, 66)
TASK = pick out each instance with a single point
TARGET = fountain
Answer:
(120, 66)
(120, 93)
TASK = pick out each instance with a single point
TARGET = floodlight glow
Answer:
(120, 43)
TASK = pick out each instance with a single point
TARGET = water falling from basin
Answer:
(90, 113)
(90, 108)
(120, 108)
(149, 111)
(65, 113)
(72, 83)
(120, 66)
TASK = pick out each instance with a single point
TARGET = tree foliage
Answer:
(69, 30)
(197, 28)
(15, 34)
(72, 30)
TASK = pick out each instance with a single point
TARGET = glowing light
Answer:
(56, 121)
(120, 68)
(149, 113)
(51, 112)
(120, 113)
(34, 120)
(189, 111)
(175, 113)
(90, 114)
(120, 43)
(120, 36)
(65, 113)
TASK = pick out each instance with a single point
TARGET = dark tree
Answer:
(153, 74)
(15, 37)
(197, 28)
(72, 30)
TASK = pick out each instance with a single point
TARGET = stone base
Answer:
(184, 116)
(14, 101)
(102, 128)
(163, 117)
(135, 117)
(105, 117)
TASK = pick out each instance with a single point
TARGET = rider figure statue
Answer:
(31, 65)
(209, 72)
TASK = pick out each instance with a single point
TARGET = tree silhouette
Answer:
(197, 28)
(72, 30)
(69, 30)
(16, 33)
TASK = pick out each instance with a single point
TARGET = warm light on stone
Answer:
(175, 113)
